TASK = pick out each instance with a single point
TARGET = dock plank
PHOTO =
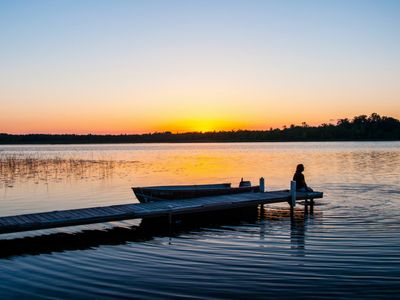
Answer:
(120, 212)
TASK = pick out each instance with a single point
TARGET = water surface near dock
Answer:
(349, 246)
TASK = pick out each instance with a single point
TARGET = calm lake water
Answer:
(348, 247)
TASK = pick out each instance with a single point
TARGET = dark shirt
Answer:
(300, 181)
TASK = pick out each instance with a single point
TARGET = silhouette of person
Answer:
(301, 185)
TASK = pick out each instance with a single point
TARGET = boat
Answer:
(174, 192)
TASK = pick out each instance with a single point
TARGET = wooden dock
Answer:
(166, 208)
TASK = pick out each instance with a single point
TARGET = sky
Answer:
(145, 66)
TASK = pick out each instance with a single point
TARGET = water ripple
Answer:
(348, 247)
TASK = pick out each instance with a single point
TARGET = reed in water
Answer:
(23, 167)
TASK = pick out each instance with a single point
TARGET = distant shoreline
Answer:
(360, 128)
(193, 142)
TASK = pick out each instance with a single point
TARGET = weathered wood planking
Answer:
(83, 216)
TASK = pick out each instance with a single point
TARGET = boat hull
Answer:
(159, 193)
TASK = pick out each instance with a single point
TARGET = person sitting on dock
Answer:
(301, 185)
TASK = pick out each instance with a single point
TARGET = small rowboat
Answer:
(173, 192)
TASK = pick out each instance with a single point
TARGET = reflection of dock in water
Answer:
(150, 228)
(300, 219)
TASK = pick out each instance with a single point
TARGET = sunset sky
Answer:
(143, 66)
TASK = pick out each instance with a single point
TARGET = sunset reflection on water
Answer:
(255, 252)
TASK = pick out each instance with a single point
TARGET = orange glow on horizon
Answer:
(116, 127)
(201, 125)
(136, 123)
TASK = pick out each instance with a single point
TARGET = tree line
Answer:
(359, 128)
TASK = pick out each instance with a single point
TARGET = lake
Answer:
(348, 247)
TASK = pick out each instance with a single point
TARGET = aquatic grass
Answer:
(24, 167)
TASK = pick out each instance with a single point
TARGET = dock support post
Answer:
(292, 201)
(293, 193)
(261, 212)
(311, 206)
